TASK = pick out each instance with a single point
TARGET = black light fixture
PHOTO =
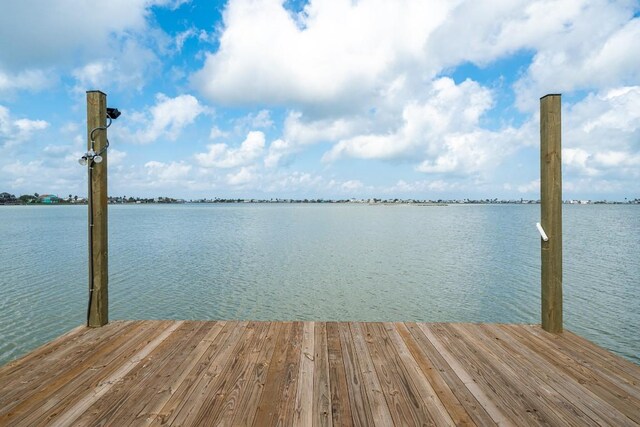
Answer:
(113, 113)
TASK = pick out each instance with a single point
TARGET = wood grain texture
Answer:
(322, 415)
(304, 393)
(79, 407)
(98, 314)
(551, 212)
(372, 384)
(433, 373)
(461, 375)
(503, 389)
(281, 379)
(403, 399)
(49, 395)
(248, 405)
(340, 405)
(427, 394)
(27, 375)
(319, 373)
(142, 381)
(182, 374)
(358, 399)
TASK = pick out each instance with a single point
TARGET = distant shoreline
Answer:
(356, 202)
(52, 199)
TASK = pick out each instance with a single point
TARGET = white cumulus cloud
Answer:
(332, 51)
(166, 119)
(222, 156)
(443, 132)
(15, 131)
(173, 171)
(602, 134)
(244, 176)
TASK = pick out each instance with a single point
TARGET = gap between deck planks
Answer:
(318, 374)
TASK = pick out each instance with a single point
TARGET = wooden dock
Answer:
(318, 373)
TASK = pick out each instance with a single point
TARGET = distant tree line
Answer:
(35, 198)
(26, 199)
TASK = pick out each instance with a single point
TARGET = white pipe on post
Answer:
(541, 231)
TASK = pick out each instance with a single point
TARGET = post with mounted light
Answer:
(96, 161)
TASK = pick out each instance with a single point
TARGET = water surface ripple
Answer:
(319, 262)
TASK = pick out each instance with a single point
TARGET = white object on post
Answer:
(542, 233)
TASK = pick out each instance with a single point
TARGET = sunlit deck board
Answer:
(318, 373)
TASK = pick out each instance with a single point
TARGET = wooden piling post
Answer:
(551, 211)
(98, 312)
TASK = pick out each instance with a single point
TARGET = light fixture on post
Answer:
(99, 118)
(91, 156)
(113, 113)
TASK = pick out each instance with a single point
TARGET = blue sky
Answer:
(326, 98)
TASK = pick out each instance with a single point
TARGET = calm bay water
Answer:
(319, 262)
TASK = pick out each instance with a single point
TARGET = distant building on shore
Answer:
(48, 199)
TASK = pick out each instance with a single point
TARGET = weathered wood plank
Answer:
(493, 374)
(322, 415)
(96, 375)
(617, 365)
(237, 383)
(340, 405)
(181, 397)
(183, 373)
(127, 397)
(609, 387)
(72, 413)
(375, 396)
(304, 393)
(28, 375)
(214, 397)
(403, 398)
(592, 361)
(470, 384)
(280, 378)
(450, 402)
(24, 363)
(248, 403)
(358, 400)
(295, 373)
(428, 396)
(209, 379)
(578, 393)
(52, 391)
(499, 398)
(553, 400)
(285, 410)
(602, 369)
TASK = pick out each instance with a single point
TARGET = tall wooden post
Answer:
(551, 211)
(98, 313)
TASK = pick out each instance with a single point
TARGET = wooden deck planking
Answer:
(340, 406)
(129, 395)
(317, 374)
(28, 374)
(75, 376)
(358, 400)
